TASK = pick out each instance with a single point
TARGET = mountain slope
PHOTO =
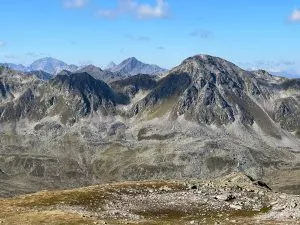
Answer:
(132, 66)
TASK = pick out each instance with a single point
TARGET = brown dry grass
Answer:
(80, 206)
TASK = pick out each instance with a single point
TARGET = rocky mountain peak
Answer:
(130, 63)
(133, 66)
(206, 69)
(51, 65)
(85, 85)
(131, 60)
(110, 66)
(199, 63)
(47, 61)
(92, 68)
(263, 74)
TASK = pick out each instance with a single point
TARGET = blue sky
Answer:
(253, 34)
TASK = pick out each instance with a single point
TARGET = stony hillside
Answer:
(204, 118)
(234, 199)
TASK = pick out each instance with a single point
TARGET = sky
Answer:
(253, 34)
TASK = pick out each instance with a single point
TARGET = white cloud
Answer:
(75, 3)
(271, 66)
(295, 16)
(138, 38)
(160, 48)
(140, 11)
(109, 14)
(35, 54)
(2, 43)
(10, 56)
(202, 33)
(160, 10)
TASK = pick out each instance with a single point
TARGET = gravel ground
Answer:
(234, 199)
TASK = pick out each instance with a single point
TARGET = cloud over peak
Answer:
(75, 3)
(295, 16)
(138, 10)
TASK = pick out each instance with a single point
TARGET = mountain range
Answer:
(49, 65)
(128, 67)
(204, 118)
(288, 74)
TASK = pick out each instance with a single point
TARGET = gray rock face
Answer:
(221, 93)
(287, 113)
(169, 87)
(69, 97)
(204, 118)
(92, 94)
(40, 74)
(127, 88)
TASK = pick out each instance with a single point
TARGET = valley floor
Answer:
(234, 199)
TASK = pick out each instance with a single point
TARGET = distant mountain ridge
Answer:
(132, 66)
(51, 65)
(14, 66)
(48, 64)
(286, 74)
(99, 74)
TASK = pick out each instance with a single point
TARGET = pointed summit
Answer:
(131, 59)
(132, 66)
